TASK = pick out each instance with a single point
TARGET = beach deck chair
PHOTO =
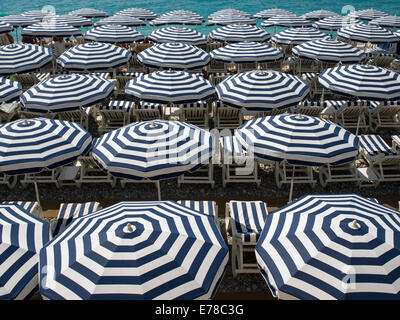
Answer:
(237, 165)
(27, 80)
(226, 117)
(4, 40)
(275, 65)
(353, 115)
(204, 175)
(195, 113)
(285, 173)
(114, 115)
(80, 116)
(70, 211)
(205, 206)
(311, 78)
(217, 77)
(145, 111)
(347, 172)
(90, 172)
(210, 46)
(244, 221)
(30, 206)
(380, 157)
(384, 114)
(48, 176)
(8, 111)
(9, 181)
(304, 66)
(26, 114)
(134, 65)
(122, 80)
(309, 108)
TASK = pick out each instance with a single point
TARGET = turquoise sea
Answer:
(202, 7)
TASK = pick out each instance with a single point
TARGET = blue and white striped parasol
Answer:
(23, 58)
(326, 247)
(140, 250)
(36, 14)
(246, 52)
(362, 32)
(18, 20)
(22, 236)
(225, 19)
(298, 139)
(64, 93)
(262, 90)
(139, 13)
(329, 51)
(368, 14)
(335, 23)
(90, 13)
(362, 81)
(269, 13)
(121, 20)
(176, 56)
(286, 21)
(5, 27)
(69, 19)
(94, 56)
(387, 22)
(295, 36)
(239, 33)
(154, 150)
(113, 34)
(178, 17)
(319, 14)
(229, 11)
(165, 87)
(30, 145)
(178, 34)
(9, 90)
(50, 29)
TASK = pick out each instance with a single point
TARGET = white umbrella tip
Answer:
(355, 225)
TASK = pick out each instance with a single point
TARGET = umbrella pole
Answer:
(37, 196)
(158, 190)
(291, 185)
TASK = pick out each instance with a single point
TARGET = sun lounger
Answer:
(381, 159)
(9, 181)
(195, 113)
(244, 221)
(237, 165)
(8, 111)
(309, 108)
(384, 114)
(311, 78)
(226, 117)
(27, 80)
(302, 174)
(213, 45)
(114, 115)
(304, 66)
(26, 114)
(70, 211)
(80, 116)
(342, 173)
(207, 207)
(30, 206)
(145, 111)
(45, 176)
(204, 175)
(122, 80)
(217, 77)
(352, 115)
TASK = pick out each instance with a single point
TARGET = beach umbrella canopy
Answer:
(229, 11)
(121, 20)
(225, 19)
(165, 87)
(23, 58)
(331, 247)
(246, 52)
(5, 27)
(36, 14)
(368, 14)
(319, 14)
(328, 50)
(22, 236)
(18, 20)
(239, 33)
(94, 56)
(90, 13)
(296, 36)
(298, 139)
(262, 90)
(387, 22)
(362, 32)
(113, 34)
(154, 150)
(179, 17)
(9, 90)
(31, 145)
(177, 56)
(67, 92)
(269, 13)
(178, 34)
(362, 81)
(286, 21)
(69, 19)
(140, 250)
(139, 13)
(50, 29)
(335, 23)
